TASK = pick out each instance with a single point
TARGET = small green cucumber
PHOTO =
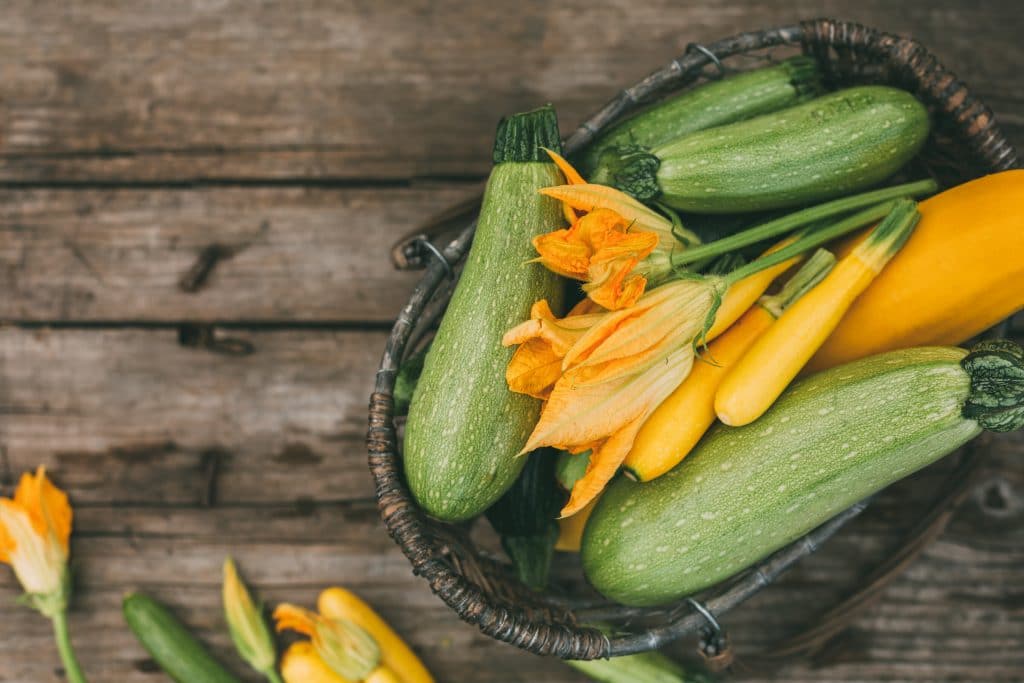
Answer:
(716, 103)
(172, 646)
(829, 441)
(830, 146)
(465, 428)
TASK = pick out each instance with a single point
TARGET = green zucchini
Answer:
(525, 518)
(646, 667)
(166, 639)
(830, 146)
(738, 97)
(465, 428)
(829, 441)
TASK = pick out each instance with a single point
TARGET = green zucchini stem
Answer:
(884, 241)
(72, 669)
(996, 371)
(804, 217)
(813, 239)
(523, 137)
(805, 279)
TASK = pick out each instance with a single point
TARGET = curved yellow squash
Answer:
(961, 272)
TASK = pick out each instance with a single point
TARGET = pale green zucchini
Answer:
(716, 103)
(829, 441)
(465, 428)
(646, 667)
(830, 146)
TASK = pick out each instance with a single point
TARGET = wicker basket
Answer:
(965, 143)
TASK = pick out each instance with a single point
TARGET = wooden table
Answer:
(296, 141)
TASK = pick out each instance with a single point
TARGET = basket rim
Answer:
(404, 521)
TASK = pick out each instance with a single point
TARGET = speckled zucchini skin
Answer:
(465, 427)
(828, 442)
(833, 145)
(716, 103)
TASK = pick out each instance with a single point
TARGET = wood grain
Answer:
(298, 140)
(111, 91)
(292, 254)
(133, 416)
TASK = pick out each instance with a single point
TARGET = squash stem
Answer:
(524, 137)
(802, 218)
(884, 241)
(809, 275)
(812, 240)
(67, 653)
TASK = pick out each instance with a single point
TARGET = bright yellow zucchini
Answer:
(778, 356)
(960, 273)
(680, 421)
(301, 664)
(339, 603)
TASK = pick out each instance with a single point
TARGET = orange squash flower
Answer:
(617, 247)
(35, 527)
(615, 371)
(34, 531)
(543, 342)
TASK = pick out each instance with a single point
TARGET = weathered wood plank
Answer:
(114, 91)
(133, 416)
(290, 254)
(957, 610)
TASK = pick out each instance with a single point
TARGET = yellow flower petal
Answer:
(34, 530)
(289, 617)
(604, 463)
(611, 281)
(581, 413)
(534, 369)
(543, 340)
(591, 196)
(572, 176)
(47, 505)
(38, 561)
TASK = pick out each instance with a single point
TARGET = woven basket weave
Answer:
(965, 143)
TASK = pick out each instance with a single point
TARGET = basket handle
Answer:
(414, 250)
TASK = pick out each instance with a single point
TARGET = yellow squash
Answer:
(339, 603)
(676, 426)
(961, 272)
(301, 664)
(570, 529)
(774, 360)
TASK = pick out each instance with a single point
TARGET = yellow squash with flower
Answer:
(341, 603)
(345, 647)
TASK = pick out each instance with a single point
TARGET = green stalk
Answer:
(804, 217)
(812, 240)
(273, 676)
(67, 653)
(889, 237)
(809, 275)
(523, 137)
